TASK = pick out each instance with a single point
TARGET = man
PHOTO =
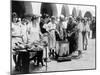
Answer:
(51, 31)
(72, 35)
(16, 38)
(60, 36)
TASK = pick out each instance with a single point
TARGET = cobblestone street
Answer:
(87, 61)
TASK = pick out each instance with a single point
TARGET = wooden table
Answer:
(24, 55)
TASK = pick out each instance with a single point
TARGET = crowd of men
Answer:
(43, 32)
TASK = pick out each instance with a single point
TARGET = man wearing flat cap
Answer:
(16, 37)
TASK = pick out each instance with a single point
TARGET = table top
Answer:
(26, 50)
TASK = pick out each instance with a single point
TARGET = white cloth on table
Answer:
(16, 31)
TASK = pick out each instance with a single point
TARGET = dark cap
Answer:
(78, 19)
(14, 15)
(45, 16)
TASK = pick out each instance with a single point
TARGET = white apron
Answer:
(80, 37)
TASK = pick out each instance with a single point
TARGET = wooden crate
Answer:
(62, 48)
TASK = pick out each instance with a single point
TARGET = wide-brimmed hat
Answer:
(35, 16)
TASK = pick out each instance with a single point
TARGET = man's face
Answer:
(53, 20)
(46, 20)
(23, 21)
(70, 19)
(14, 20)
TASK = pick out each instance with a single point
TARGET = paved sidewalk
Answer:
(87, 61)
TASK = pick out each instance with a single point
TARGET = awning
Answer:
(65, 11)
(80, 14)
(49, 8)
(88, 14)
(18, 7)
(74, 13)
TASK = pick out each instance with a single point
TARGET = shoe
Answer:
(43, 65)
